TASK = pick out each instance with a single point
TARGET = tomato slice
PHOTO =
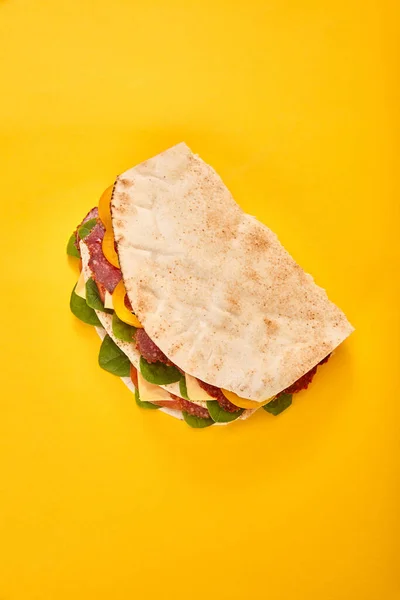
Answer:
(169, 404)
(134, 377)
(120, 308)
(102, 291)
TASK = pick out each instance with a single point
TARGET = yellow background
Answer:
(294, 103)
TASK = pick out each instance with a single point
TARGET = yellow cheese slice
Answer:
(194, 391)
(80, 289)
(108, 303)
(149, 392)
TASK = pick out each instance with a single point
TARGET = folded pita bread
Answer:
(212, 286)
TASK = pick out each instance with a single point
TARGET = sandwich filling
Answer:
(207, 403)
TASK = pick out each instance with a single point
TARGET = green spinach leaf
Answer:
(72, 250)
(142, 404)
(112, 359)
(93, 297)
(183, 388)
(219, 415)
(158, 372)
(122, 330)
(81, 310)
(196, 422)
(275, 407)
(86, 228)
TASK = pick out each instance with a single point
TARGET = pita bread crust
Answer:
(213, 287)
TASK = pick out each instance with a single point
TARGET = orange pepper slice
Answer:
(244, 402)
(109, 248)
(122, 312)
(104, 206)
(105, 217)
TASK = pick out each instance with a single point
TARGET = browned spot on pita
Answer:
(253, 275)
(221, 228)
(257, 239)
(271, 326)
(145, 299)
(217, 364)
(232, 299)
(124, 209)
(122, 197)
(174, 349)
(142, 305)
(266, 381)
(233, 303)
(127, 183)
(118, 223)
(120, 238)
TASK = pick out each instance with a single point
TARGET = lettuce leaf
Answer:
(122, 330)
(159, 373)
(196, 422)
(112, 359)
(81, 310)
(86, 228)
(72, 250)
(93, 297)
(183, 388)
(275, 407)
(219, 415)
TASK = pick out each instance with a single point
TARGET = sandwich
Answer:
(201, 310)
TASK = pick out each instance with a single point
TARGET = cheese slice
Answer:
(149, 392)
(80, 289)
(194, 390)
(108, 303)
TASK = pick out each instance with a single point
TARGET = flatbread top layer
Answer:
(213, 287)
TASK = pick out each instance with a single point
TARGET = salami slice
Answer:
(127, 303)
(92, 214)
(148, 349)
(304, 381)
(216, 393)
(104, 272)
(194, 410)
